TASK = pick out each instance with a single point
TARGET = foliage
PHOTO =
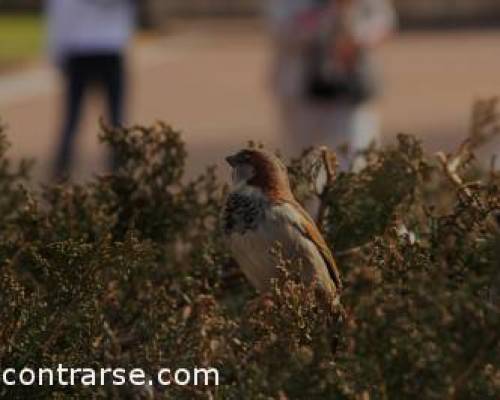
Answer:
(22, 38)
(129, 270)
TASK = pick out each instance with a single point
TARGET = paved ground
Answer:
(210, 81)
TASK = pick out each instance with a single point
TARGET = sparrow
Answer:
(260, 212)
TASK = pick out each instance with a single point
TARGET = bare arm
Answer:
(373, 22)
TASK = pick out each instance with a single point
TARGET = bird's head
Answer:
(261, 170)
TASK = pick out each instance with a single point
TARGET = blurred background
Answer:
(203, 66)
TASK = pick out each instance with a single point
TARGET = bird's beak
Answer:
(231, 160)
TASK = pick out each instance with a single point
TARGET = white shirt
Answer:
(88, 26)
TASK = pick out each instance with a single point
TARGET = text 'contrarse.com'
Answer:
(65, 376)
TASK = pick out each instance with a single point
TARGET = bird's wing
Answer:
(309, 230)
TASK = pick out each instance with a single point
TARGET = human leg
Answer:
(74, 75)
(114, 84)
(365, 133)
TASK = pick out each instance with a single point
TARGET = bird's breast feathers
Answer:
(254, 226)
(243, 212)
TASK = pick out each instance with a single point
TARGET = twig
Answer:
(331, 164)
(353, 250)
(451, 164)
(329, 160)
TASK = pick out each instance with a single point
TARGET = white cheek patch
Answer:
(242, 173)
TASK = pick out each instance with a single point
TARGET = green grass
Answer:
(21, 38)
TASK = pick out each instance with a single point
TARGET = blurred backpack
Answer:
(324, 81)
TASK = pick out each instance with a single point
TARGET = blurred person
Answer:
(324, 73)
(88, 41)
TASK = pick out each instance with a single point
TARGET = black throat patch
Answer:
(242, 213)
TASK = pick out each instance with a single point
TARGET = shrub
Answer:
(129, 270)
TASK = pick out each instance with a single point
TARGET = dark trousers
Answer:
(106, 71)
